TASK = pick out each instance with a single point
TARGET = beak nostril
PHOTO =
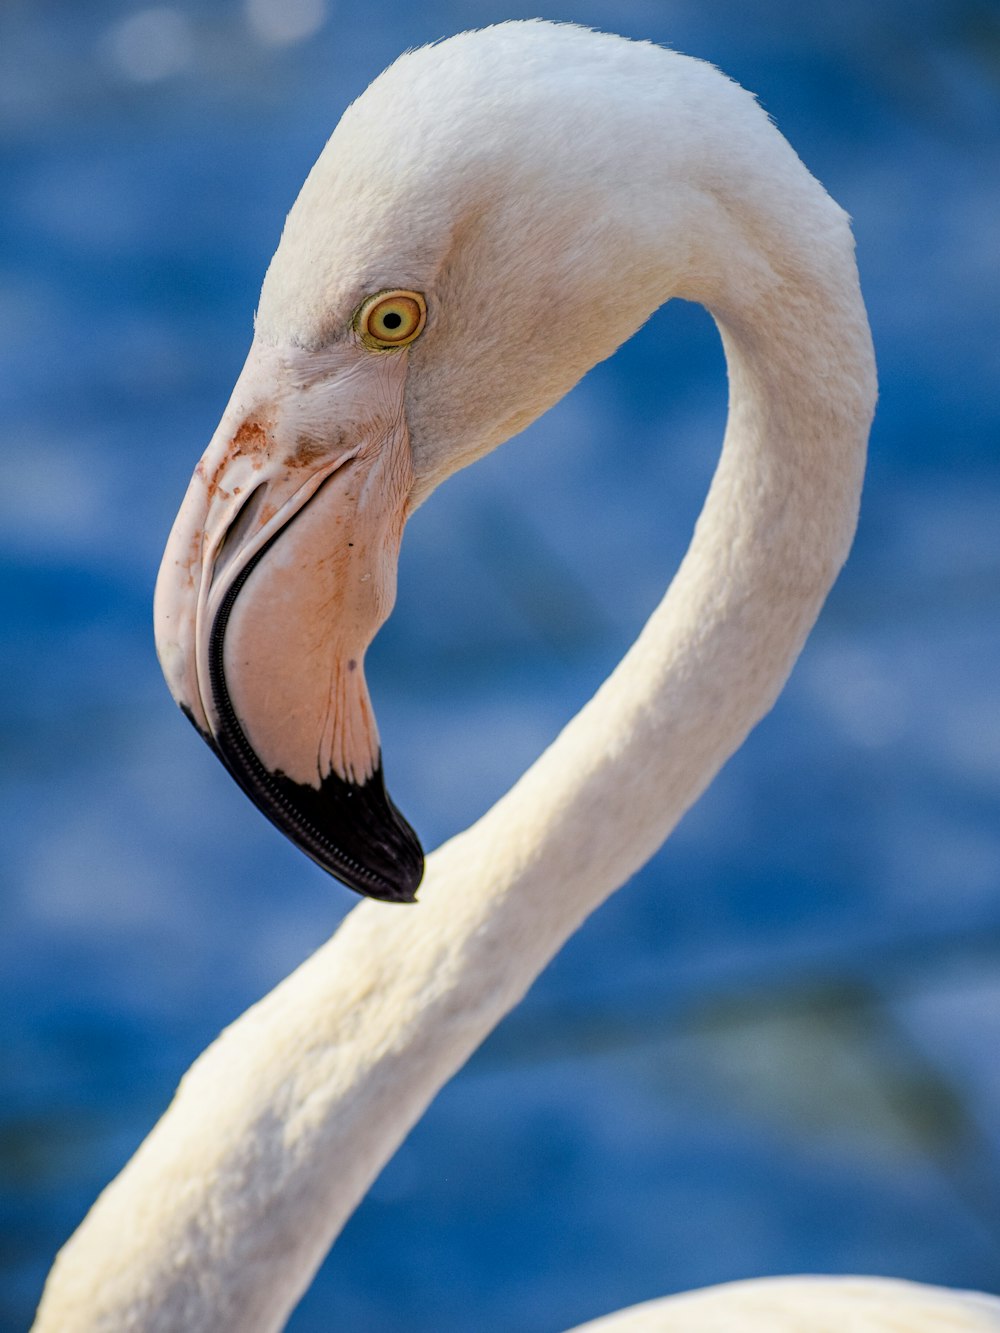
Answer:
(237, 532)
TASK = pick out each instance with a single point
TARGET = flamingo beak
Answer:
(279, 570)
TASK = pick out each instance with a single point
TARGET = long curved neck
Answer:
(280, 1127)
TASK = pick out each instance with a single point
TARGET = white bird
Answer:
(496, 214)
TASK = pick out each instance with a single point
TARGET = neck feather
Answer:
(280, 1127)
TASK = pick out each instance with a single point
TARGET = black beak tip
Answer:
(352, 830)
(389, 850)
(400, 892)
(366, 842)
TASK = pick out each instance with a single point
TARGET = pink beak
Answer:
(279, 570)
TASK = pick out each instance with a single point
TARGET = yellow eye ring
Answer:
(390, 319)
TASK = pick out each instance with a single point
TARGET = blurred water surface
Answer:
(776, 1049)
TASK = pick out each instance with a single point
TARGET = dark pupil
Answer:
(392, 320)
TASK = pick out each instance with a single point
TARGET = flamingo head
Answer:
(459, 256)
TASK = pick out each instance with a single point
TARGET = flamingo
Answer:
(496, 214)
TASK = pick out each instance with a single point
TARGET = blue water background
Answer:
(775, 1050)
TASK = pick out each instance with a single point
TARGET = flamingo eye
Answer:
(390, 319)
